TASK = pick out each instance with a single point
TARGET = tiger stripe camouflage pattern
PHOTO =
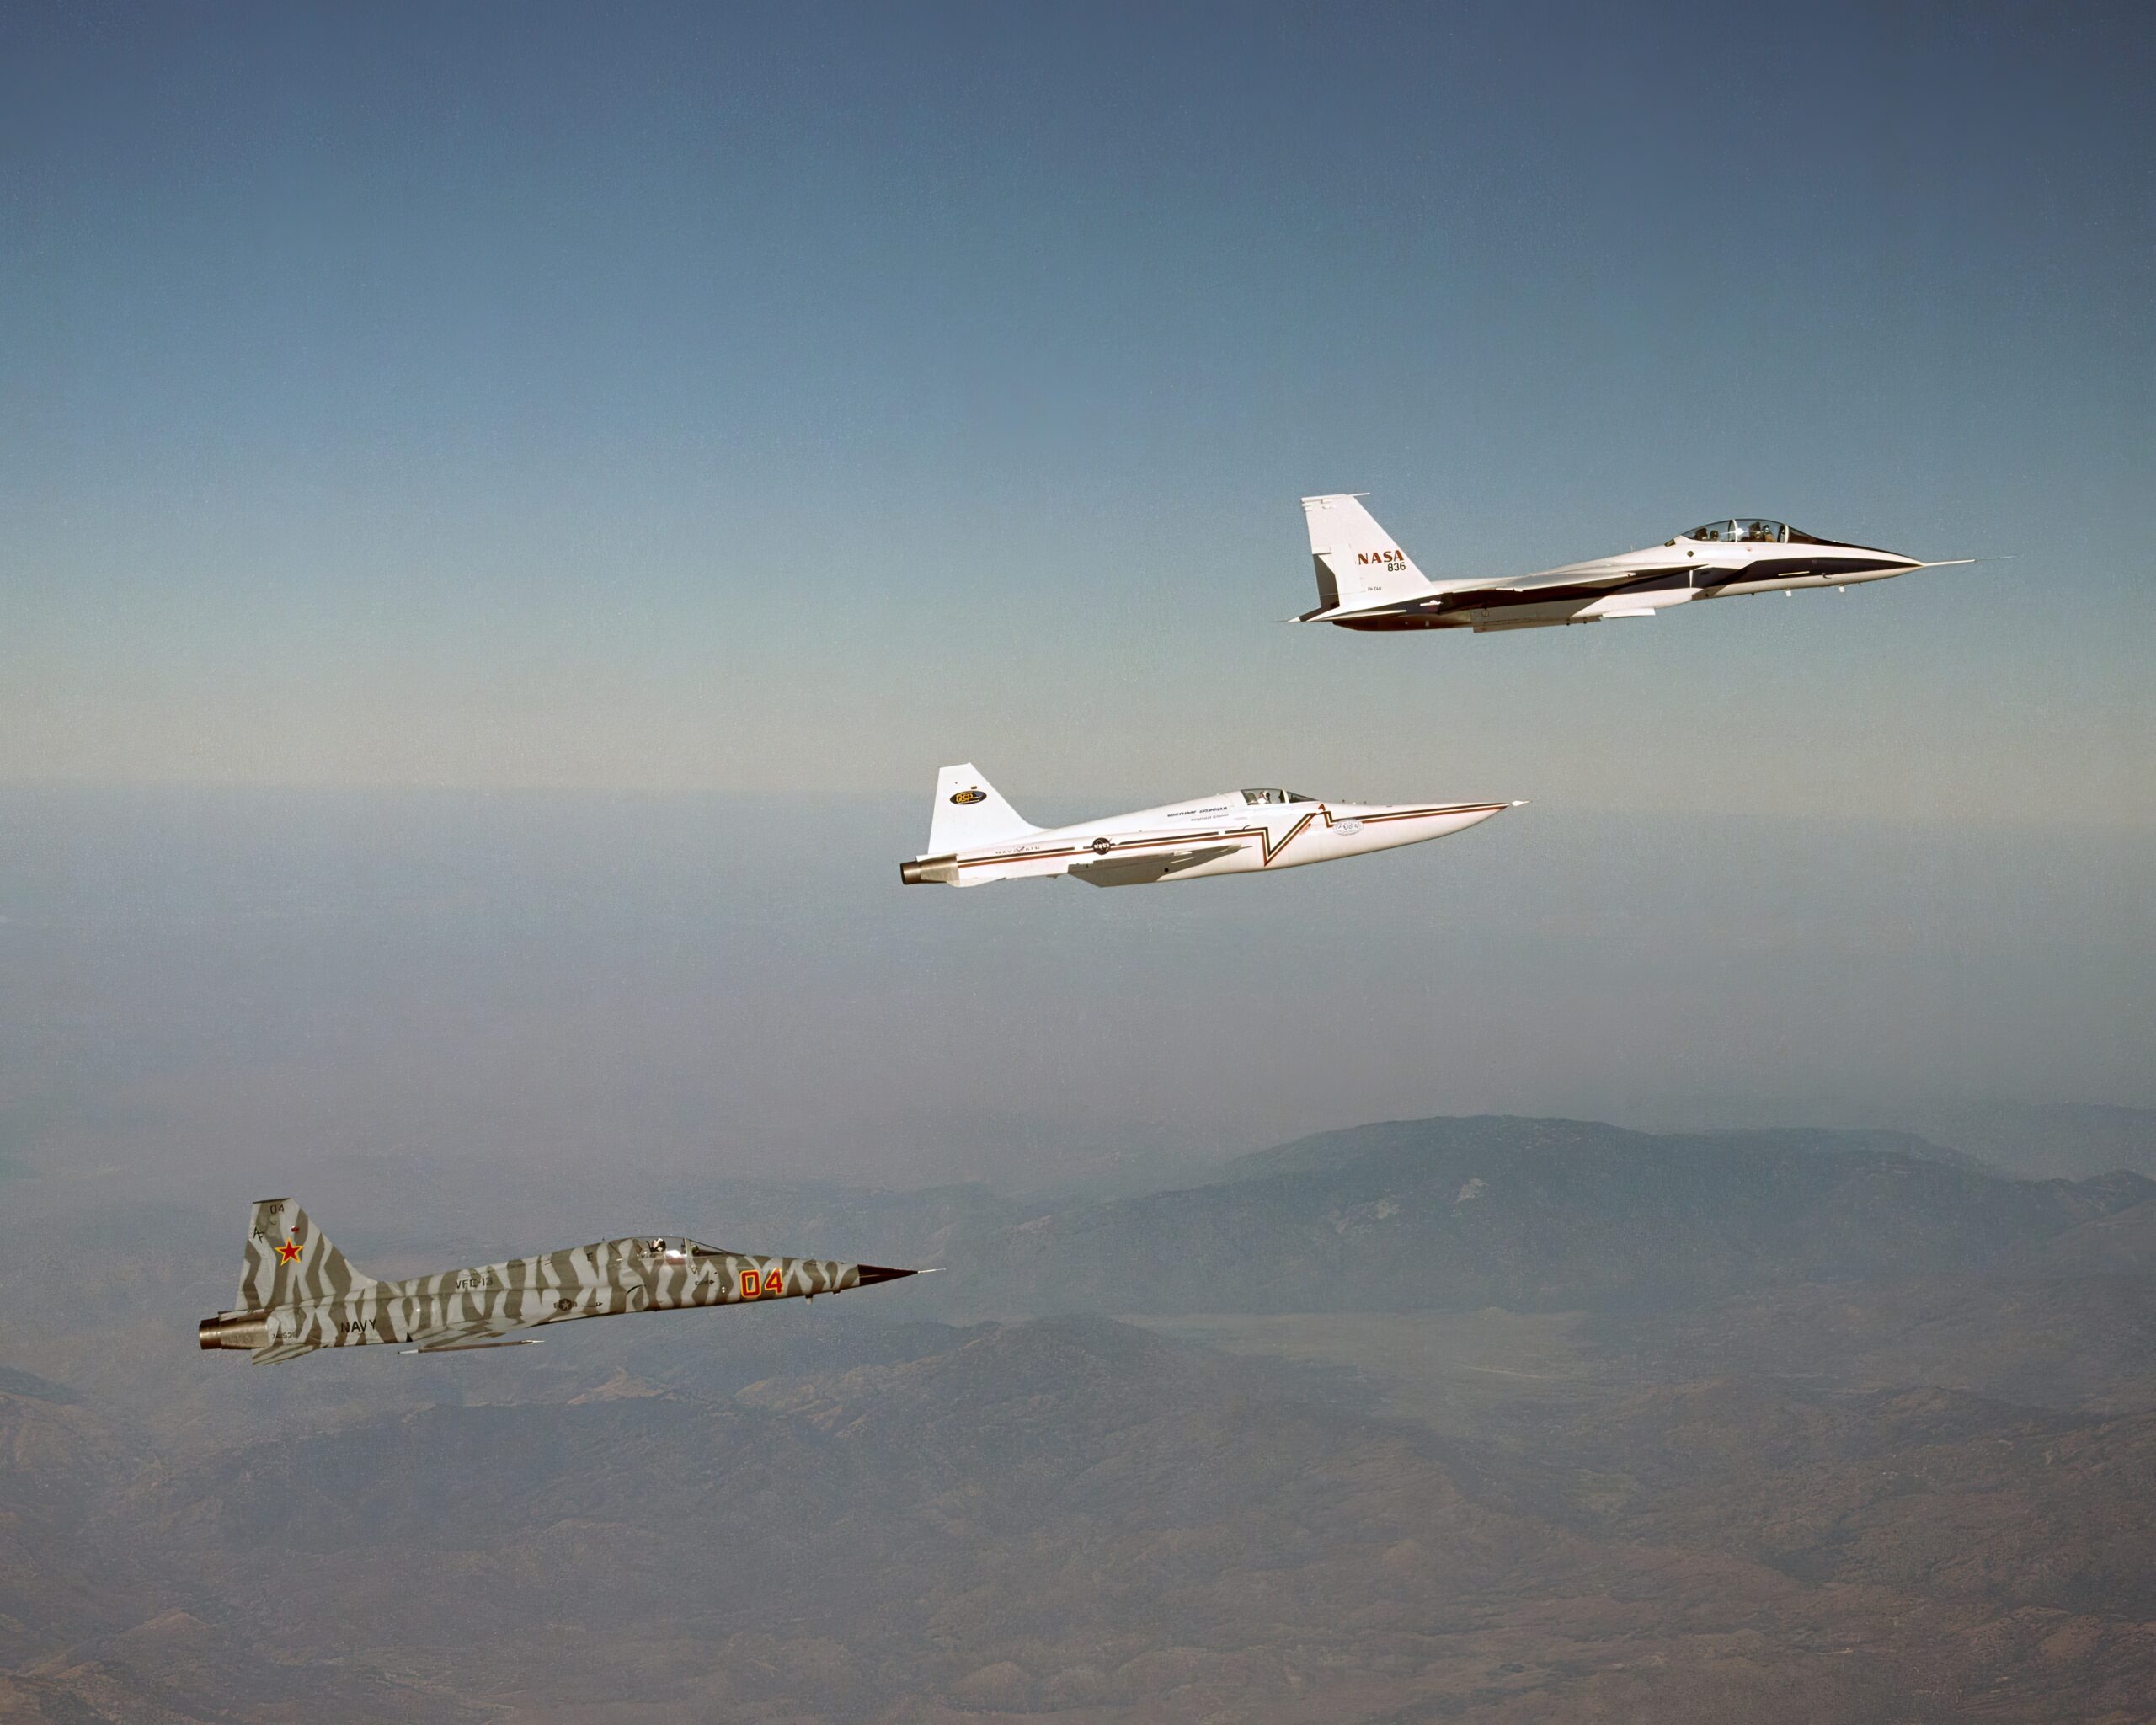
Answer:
(297, 1292)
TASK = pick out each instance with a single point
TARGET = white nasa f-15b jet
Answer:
(974, 836)
(1366, 582)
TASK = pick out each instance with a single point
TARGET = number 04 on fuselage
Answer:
(974, 836)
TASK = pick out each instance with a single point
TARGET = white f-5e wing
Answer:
(1143, 870)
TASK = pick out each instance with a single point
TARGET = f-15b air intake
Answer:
(974, 836)
(298, 1292)
(1366, 582)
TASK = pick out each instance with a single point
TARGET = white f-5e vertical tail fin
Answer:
(1358, 563)
(969, 813)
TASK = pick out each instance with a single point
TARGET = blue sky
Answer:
(797, 397)
(780, 403)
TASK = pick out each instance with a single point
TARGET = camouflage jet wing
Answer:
(1143, 871)
(483, 1330)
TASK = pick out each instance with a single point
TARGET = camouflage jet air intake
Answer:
(297, 1292)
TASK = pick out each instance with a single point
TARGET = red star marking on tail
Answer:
(288, 1252)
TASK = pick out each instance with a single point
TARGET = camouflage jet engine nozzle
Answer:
(246, 1331)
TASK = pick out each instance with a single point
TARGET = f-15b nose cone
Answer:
(877, 1273)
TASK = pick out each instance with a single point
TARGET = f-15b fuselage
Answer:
(975, 836)
(1366, 582)
(299, 1293)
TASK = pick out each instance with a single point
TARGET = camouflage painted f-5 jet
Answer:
(297, 1292)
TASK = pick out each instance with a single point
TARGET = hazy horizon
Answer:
(248, 982)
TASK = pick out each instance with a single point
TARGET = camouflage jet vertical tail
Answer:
(290, 1261)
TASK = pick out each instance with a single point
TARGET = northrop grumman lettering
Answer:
(1365, 581)
(975, 836)
(297, 1292)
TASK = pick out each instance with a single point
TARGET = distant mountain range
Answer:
(1779, 1426)
(1535, 1215)
(2067, 1141)
(2031, 1140)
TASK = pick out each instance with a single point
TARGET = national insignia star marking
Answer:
(289, 1252)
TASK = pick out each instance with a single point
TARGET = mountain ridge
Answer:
(1531, 1215)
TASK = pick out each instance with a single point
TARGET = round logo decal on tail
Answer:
(965, 796)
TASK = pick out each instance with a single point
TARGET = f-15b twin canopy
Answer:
(1366, 582)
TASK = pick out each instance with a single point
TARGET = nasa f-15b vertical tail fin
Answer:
(970, 813)
(289, 1260)
(1358, 563)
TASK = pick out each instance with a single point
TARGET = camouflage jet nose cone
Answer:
(877, 1273)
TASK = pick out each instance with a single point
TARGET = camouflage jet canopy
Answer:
(297, 1292)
